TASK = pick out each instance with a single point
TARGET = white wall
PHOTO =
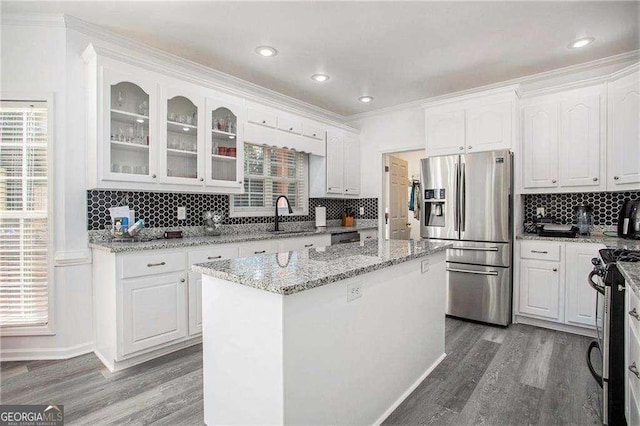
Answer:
(35, 61)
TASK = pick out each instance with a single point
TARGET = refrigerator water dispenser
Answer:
(434, 207)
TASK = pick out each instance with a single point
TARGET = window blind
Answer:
(268, 173)
(24, 238)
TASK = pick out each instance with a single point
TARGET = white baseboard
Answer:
(583, 331)
(114, 366)
(406, 393)
(40, 354)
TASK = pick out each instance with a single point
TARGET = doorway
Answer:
(401, 175)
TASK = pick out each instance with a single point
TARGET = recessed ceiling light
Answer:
(266, 51)
(581, 42)
(320, 78)
(365, 99)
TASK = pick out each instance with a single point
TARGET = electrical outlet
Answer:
(540, 211)
(182, 213)
(354, 291)
(361, 211)
(425, 266)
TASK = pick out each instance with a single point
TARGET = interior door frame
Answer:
(382, 153)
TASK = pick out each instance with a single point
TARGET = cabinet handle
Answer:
(540, 252)
(214, 257)
(149, 265)
(264, 121)
(555, 269)
(469, 147)
(259, 252)
(201, 179)
(461, 148)
(181, 280)
(616, 177)
(634, 314)
(634, 369)
(308, 245)
(153, 176)
(554, 181)
(239, 181)
(290, 128)
(368, 238)
(595, 179)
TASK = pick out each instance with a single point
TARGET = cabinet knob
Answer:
(634, 314)
(554, 181)
(264, 121)
(634, 369)
(616, 177)
(595, 179)
(201, 179)
(239, 181)
(461, 148)
(290, 128)
(181, 280)
(314, 134)
(469, 147)
(555, 269)
(153, 176)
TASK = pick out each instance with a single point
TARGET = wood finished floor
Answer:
(491, 376)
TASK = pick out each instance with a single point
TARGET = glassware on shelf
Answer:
(116, 168)
(121, 98)
(126, 169)
(143, 108)
(172, 116)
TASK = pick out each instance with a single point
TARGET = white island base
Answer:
(314, 358)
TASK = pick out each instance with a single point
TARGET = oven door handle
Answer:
(595, 375)
(596, 287)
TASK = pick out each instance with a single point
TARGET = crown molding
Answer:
(34, 19)
(125, 49)
(546, 75)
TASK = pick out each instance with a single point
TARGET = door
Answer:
(485, 196)
(154, 311)
(335, 163)
(540, 145)
(351, 164)
(398, 199)
(224, 162)
(481, 293)
(445, 133)
(580, 296)
(438, 183)
(540, 289)
(130, 144)
(182, 144)
(489, 127)
(580, 141)
(624, 133)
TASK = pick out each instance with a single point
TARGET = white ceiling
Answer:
(397, 52)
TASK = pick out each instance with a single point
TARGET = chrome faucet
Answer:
(277, 219)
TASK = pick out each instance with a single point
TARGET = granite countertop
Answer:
(296, 271)
(631, 273)
(610, 242)
(204, 240)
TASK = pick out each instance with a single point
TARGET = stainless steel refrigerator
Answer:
(467, 200)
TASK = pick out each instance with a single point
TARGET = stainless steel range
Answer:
(610, 286)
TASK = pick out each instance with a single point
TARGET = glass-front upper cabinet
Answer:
(183, 142)
(130, 151)
(225, 164)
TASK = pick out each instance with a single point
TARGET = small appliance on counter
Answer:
(584, 218)
(556, 230)
(348, 218)
(212, 223)
(629, 220)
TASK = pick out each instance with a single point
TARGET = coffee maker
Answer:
(584, 218)
(629, 220)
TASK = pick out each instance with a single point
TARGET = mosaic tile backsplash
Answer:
(606, 205)
(159, 209)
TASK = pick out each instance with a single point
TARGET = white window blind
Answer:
(24, 237)
(268, 173)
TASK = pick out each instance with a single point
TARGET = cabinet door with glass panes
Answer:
(181, 137)
(130, 148)
(224, 162)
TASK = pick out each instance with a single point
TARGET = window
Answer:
(24, 217)
(268, 173)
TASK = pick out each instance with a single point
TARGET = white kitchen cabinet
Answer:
(313, 241)
(580, 297)
(445, 133)
(258, 247)
(632, 356)
(563, 144)
(368, 234)
(541, 289)
(581, 141)
(224, 163)
(623, 141)
(540, 145)
(153, 311)
(489, 127)
(351, 164)
(338, 173)
(335, 163)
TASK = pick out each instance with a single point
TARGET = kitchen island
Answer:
(332, 335)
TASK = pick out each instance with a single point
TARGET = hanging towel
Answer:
(412, 197)
(417, 200)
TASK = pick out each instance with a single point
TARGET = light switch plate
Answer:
(182, 213)
(361, 211)
(540, 211)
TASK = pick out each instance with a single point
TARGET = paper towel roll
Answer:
(321, 216)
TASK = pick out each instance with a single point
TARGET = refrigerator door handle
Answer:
(465, 271)
(456, 215)
(475, 248)
(463, 195)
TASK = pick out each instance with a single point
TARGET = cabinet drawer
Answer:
(369, 234)
(257, 248)
(212, 254)
(261, 117)
(289, 125)
(290, 244)
(151, 264)
(633, 357)
(540, 251)
(313, 131)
